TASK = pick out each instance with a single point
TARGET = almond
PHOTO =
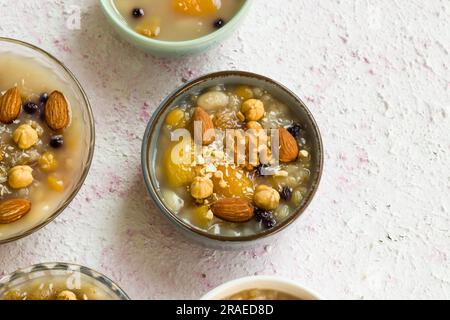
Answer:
(12, 210)
(233, 210)
(202, 117)
(57, 111)
(288, 146)
(10, 105)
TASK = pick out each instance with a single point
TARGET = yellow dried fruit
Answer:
(55, 184)
(202, 188)
(254, 125)
(25, 136)
(232, 182)
(202, 217)
(178, 173)
(266, 197)
(253, 109)
(244, 92)
(195, 7)
(47, 162)
(20, 177)
(176, 118)
(66, 295)
(150, 29)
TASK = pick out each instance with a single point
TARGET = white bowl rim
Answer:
(262, 282)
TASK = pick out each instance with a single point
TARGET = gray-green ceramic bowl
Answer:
(150, 148)
(171, 48)
(73, 275)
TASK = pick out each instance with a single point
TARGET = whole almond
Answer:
(288, 146)
(202, 117)
(10, 105)
(12, 210)
(233, 210)
(56, 111)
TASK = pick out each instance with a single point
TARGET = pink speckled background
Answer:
(376, 77)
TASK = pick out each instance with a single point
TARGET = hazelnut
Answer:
(20, 177)
(266, 197)
(202, 188)
(66, 295)
(47, 162)
(253, 109)
(25, 136)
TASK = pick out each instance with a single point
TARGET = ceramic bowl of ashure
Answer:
(218, 202)
(175, 27)
(59, 281)
(262, 288)
(47, 138)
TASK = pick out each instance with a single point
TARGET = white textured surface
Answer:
(375, 75)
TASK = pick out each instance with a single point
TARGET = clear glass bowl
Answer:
(84, 111)
(47, 271)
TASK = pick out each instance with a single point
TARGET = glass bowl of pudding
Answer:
(261, 288)
(47, 138)
(59, 281)
(232, 158)
(175, 27)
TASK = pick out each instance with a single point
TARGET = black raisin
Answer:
(219, 23)
(286, 193)
(56, 141)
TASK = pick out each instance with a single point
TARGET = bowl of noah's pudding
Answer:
(59, 281)
(232, 158)
(47, 138)
(174, 27)
(261, 288)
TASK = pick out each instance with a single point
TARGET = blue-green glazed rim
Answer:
(38, 270)
(172, 48)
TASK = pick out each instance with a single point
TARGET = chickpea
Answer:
(266, 197)
(25, 136)
(253, 109)
(213, 100)
(20, 177)
(202, 188)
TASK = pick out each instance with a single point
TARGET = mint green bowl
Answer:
(171, 48)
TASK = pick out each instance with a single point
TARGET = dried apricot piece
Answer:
(202, 217)
(55, 184)
(195, 7)
(150, 29)
(232, 182)
(178, 172)
(176, 118)
(244, 92)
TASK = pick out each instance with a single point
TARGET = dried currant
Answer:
(286, 193)
(296, 130)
